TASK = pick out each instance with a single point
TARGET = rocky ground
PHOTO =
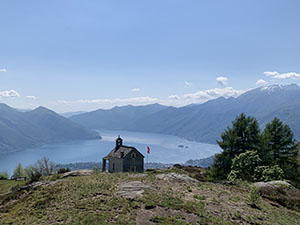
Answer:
(168, 196)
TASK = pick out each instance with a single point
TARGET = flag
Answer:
(148, 149)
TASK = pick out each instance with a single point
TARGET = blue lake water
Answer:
(163, 148)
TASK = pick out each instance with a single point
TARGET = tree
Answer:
(4, 175)
(45, 166)
(19, 171)
(244, 165)
(33, 174)
(280, 148)
(244, 135)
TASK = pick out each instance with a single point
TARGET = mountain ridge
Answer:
(204, 122)
(21, 130)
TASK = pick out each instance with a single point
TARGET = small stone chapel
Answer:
(123, 159)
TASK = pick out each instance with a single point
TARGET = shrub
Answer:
(4, 175)
(63, 170)
(268, 173)
(19, 171)
(234, 175)
(254, 196)
(244, 165)
(45, 166)
(33, 174)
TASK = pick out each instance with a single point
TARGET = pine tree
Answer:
(280, 147)
(244, 135)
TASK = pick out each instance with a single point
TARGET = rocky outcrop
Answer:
(132, 189)
(281, 192)
(175, 177)
(77, 173)
(38, 184)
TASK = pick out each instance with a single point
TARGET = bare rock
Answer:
(132, 189)
(281, 192)
(77, 173)
(38, 184)
(138, 175)
(176, 177)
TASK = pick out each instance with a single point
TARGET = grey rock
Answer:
(177, 177)
(38, 184)
(77, 173)
(132, 189)
(281, 192)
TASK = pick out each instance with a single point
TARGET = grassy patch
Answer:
(165, 220)
(165, 200)
(6, 185)
(94, 200)
(199, 197)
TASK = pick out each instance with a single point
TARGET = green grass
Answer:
(199, 197)
(6, 185)
(93, 200)
(166, 220)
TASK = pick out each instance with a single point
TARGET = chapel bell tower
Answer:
(119, 142)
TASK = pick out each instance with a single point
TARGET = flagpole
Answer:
(148, 152)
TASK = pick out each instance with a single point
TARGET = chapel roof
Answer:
(116, 152)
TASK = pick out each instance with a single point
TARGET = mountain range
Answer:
(202, 122)
(21, 130)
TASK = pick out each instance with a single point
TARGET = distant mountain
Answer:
(69, 114)
(117, 118)
(20, 130)
(202, 122)
(24, 110)
(204, 163)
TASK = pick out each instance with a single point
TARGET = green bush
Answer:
(268, 173)
(254, 196)
(33, 174)
(4, 175)
(43, 167)
(244, 165)
(63, 170)
(19, 171)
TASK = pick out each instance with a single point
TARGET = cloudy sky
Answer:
(83, 55)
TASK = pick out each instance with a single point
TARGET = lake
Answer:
(163, 148)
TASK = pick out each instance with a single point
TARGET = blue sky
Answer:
(83, 55)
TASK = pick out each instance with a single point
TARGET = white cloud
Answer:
(30, 97)
(261, 82)
(289, 75)
(135, 89)
(188, 84)
(174, 97)
(115, 101)
(270, 73)
(172, 100)
(4, 70)
(222, 80)
(206, 95)
(9, 94)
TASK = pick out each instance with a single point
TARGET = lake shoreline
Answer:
(164, 149)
